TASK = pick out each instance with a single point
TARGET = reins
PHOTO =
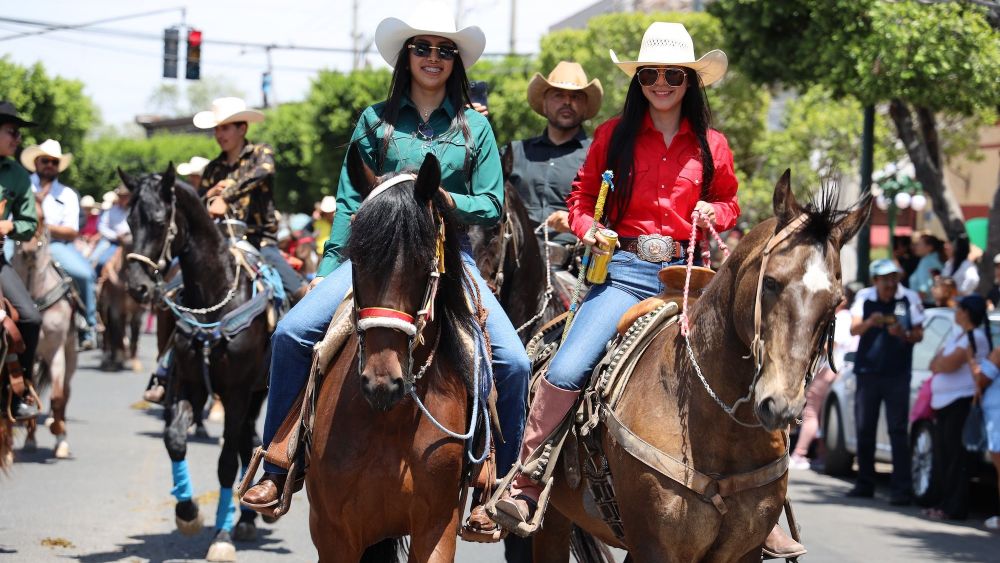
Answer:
(547, 296)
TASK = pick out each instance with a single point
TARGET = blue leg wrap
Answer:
(182, 481)
(225, 516)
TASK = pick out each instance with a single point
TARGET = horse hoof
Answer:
(245, 531)
(8, 460)
(30, 445)
(217, 413)
(222, 548)
(189, 527)
(268, 519)
(62, 447)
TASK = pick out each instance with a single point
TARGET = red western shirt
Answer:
(667, 183)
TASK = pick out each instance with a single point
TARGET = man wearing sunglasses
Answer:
(544, 166)
(61, 212)
(18, 220)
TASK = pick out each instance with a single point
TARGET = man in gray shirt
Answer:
(545, 166)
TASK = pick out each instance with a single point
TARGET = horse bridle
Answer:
(166, 254)
(366, 318)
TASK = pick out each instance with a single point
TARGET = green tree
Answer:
(924, 59)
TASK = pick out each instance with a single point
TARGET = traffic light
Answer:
(171, 38)
(193, 71)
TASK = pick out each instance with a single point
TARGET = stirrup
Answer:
(472, 535)
(284, 494)
(523, 529)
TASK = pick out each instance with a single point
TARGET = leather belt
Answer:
(655, 248)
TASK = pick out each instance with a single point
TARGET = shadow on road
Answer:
(172, 546)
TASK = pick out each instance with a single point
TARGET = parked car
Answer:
(840, 430)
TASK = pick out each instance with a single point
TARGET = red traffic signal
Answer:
(193, 69)
(194, 37)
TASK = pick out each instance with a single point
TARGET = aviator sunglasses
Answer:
(423, 50)
(673, 76)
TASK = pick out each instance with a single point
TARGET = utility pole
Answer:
(867, 150)
(266, 80)
(355, 37)
(513, 26)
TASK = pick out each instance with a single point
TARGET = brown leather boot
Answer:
(781, 546)
(548, 408)
(267, 492)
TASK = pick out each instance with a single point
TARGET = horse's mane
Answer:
(394, 228)
(823, 213)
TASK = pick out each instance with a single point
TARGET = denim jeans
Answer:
(306, 324)
(102, 252)
(630, 280)
(82, 273)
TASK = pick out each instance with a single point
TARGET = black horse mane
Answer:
(396, 224)
(823, 213)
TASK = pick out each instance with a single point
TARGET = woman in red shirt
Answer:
(667, 163)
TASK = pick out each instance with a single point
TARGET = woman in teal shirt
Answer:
(427, 112)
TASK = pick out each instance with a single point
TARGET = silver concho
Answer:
(655, 248)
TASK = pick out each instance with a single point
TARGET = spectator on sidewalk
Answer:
(986, 373)
(993, 297)
(944, 292)
(889, 319)
(961, 267)
(843, 342)
(952, 389)
(930, 250)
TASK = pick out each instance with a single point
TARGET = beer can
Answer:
(597, 273)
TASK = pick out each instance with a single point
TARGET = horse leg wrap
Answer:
(183, 489)
(225, 514)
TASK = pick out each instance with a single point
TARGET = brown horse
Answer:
(120, 314)
(379, 469)
(668, 406)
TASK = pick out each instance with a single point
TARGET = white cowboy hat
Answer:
(429, 17)
(196, 165)
(108, 200)
(328, 204)
(566, 76)
(51, 148)
(226, 110)
(87, 201)
(667, 43)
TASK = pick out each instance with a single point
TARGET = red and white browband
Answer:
(384, 317)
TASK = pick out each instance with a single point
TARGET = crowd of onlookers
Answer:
(880, 325)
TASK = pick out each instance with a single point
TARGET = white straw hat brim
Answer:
(392, 33)
(208, 119)
(29, 155)
(711, 67)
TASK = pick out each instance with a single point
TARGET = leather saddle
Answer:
(672, 278)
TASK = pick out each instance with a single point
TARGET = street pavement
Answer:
(111, 501)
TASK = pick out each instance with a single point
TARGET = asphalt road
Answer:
(111, 501)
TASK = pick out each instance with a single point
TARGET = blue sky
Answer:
(120, 73)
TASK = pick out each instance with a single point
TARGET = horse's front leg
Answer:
(434, 542)
(246, 528)
(59, 399)
(222, 548)
(179, 417)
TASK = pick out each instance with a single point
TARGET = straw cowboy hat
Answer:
(87, 201)
(196, 165)
(328, 204)
(108, 200)
(429, 17)
(566, 76)
(226, 110)
(51, 148)
(670, 44)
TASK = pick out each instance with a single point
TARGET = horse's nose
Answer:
(140, 292)
(382, 392)
(775, 412)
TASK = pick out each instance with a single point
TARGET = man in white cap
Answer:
(240, 182)
(544, 166)
(61, 210)
(193, 169)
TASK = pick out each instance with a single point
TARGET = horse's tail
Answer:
(392, 550)
(6, 445)
(587, 549)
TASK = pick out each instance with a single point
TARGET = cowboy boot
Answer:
(548, 409)
(266, 494)
(780, 546)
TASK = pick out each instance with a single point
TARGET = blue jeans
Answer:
(102, 252)
(82, 273)
(630, 280)
(306, 324)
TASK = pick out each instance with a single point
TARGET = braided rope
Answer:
(548, 283)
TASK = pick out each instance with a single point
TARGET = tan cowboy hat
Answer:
(196, 165)
(429, 17)
(51, 148)
(108, 200)
(666, 43)
(87, 201)
(226, 110)
(328, 204)
(566, 76)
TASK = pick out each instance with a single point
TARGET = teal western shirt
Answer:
(15, 189)
(476, 189)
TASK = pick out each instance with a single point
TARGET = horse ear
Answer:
(167, 183)
(852, 222)
(785, 206)
(126, 179)
(507, 161)
(428, 179)
(362, 178)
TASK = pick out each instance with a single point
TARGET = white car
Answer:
(840, 430)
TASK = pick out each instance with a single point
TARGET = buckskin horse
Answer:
(690, 472)
(56, 353)
(167, 220)
(380, 468)
(510, 259)
(120, 314)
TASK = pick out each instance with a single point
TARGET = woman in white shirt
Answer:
(960, 268)
(952, 390)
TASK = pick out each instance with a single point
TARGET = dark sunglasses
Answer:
(14, 133)
(48, 161)
(423, 50)
(672, 75)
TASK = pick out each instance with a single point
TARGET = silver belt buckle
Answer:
(655, 248)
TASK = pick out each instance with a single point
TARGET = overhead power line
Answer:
(48, 28)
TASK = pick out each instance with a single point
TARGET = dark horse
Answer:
(510, 259)
(379, 468)
(668, 406)
(167, 220)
